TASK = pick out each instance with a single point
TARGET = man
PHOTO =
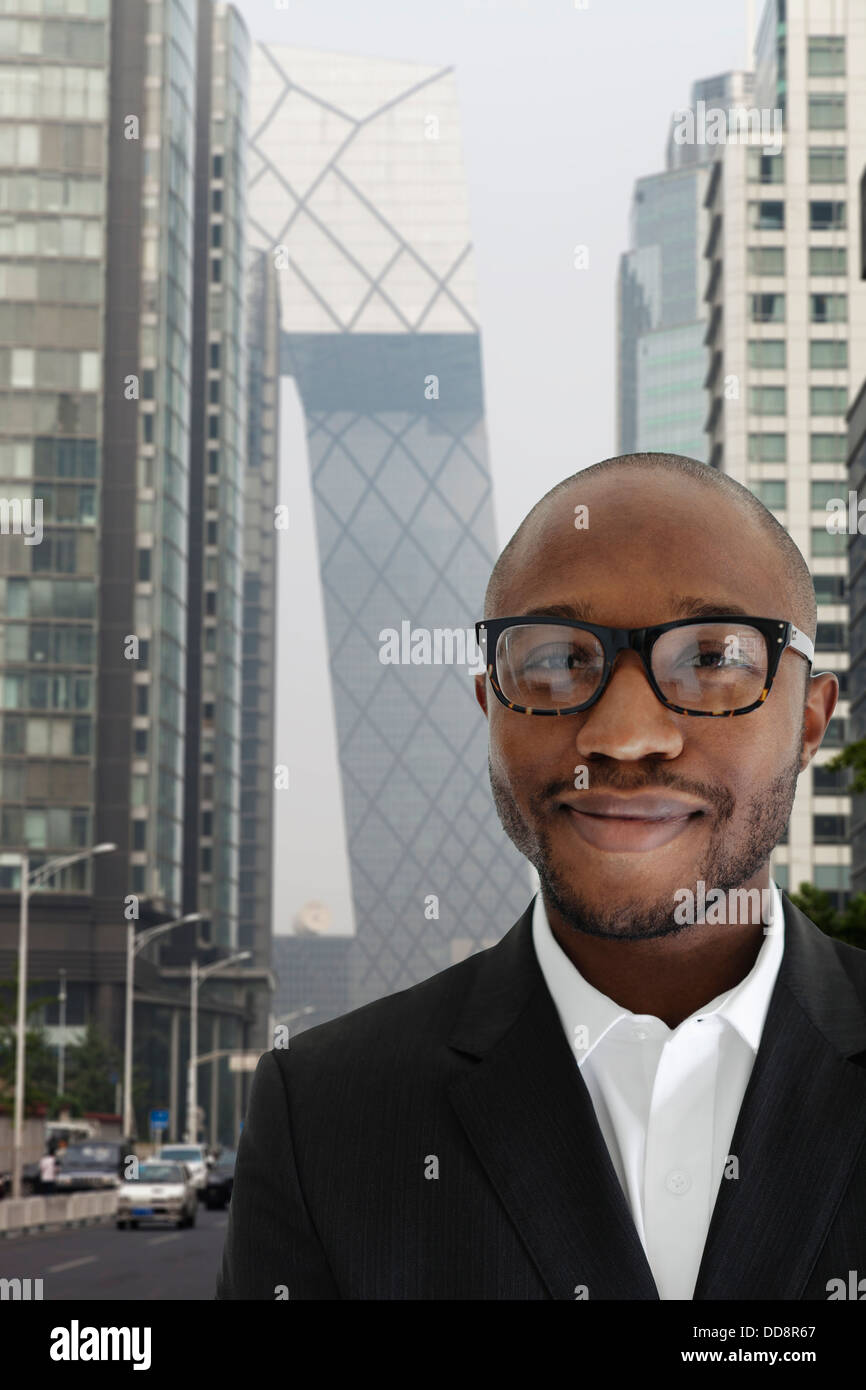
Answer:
(655, 1085)
(47, 1173)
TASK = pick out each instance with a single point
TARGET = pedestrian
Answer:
(47, 1173)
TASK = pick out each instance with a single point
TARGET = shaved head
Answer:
(707, 486)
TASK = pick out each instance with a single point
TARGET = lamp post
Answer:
(32, 881)
(61, 1041)
(197, 978)
(134, 944)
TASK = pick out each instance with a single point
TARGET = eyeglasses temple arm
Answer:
(802, 644)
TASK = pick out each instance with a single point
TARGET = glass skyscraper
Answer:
(357, 191)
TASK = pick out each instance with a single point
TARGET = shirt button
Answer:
(678, 1182)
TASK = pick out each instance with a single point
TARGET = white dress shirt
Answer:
(666, 1099)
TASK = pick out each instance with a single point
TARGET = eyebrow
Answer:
(686, 606)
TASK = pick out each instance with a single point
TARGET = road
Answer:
(104, 1264)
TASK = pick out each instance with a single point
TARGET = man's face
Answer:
(651, 541)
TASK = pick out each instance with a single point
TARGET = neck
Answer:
(669, 976)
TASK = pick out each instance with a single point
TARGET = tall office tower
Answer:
(217, 473)
(104, 385)
(357, 192)
(787, 338)
(258, 662)
(661, 358)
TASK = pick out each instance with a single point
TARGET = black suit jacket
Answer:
(441, 1144)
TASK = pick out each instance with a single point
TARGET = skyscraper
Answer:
(357, 191)
(786, 342)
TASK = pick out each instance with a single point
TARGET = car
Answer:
(194, 1156)
(95, 1165)
(218, 1187)
(161, 1191)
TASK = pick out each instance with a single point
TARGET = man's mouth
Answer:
(623, 824)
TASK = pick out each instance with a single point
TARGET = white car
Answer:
(162, 1192)
(195, 1158)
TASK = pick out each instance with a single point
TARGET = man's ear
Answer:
(481, 690)
(821, 697)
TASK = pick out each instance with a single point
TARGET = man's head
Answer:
(661, 528)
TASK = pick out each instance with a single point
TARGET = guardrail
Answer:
(21, 1214)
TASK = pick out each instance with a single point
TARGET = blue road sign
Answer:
(159, 1119)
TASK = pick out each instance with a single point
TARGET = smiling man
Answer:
(655, 1085)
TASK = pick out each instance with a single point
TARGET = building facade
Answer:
(357, 192)
(787, 341)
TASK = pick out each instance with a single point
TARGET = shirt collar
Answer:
(587, 1015)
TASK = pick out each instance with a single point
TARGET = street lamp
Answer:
(197, 977)
(134, 944)
(32, 880)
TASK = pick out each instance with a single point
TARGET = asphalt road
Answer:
(104, 1264)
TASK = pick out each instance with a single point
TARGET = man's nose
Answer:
(628, 722)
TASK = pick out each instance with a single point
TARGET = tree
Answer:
(853, 755)
(848, 925)
(40, 1060)
(89, 1067)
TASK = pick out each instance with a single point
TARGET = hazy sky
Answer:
(563, 108)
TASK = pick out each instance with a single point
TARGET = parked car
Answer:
(162, 1191)
(194, 1156)
(220, 1179)
(92, 1166)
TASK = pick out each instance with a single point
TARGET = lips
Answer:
(631, 824)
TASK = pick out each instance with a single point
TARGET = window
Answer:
(772, 492)
(827, 164)
(217, 166)
(767, 308)
(828, 260)
(213, 461)
(216, 234)
(214, 356)
(766, 260)
(828, 400)
(829, 545)
(828, 352)
(827, 448)
(140, 739)
(829, 588)
(765, 168)
(830, 783)
(827, 217)
(831, 637)
(144, 568)
(828, 308)
(767, 400)
(826, 111)
(829, 829)
(216, 201)
(767, 216)
(767, 352)
(767, 448)
(142, 699)
(216, 270)
(139, 834)
(827, 55)
(823, 491)
(214, 391)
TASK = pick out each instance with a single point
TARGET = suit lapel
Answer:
(800, 1128)
(530, 1120)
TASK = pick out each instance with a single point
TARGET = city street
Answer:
(104, 1264)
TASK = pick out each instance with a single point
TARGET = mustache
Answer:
(616, 780)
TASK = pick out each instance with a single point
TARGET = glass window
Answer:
(828, 352)
(829, 543)
(767, 308)
(828, 308)
(828, 400)
(772, 492)
(765, 168)
(826, 111)
(767, 216)
(827, 164)
(828, 260)
(767, 352)
(766, 260)
(827, 55)
(767, 448)
(827, 448)
(767, 400)
(827, 216)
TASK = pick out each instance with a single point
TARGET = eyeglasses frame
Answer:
(778, 635)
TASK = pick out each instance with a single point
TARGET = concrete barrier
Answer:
(18, 1215)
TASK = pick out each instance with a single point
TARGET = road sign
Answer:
(159, 1119)
(244, 1061)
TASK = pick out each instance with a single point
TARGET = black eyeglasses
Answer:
(722, 665)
